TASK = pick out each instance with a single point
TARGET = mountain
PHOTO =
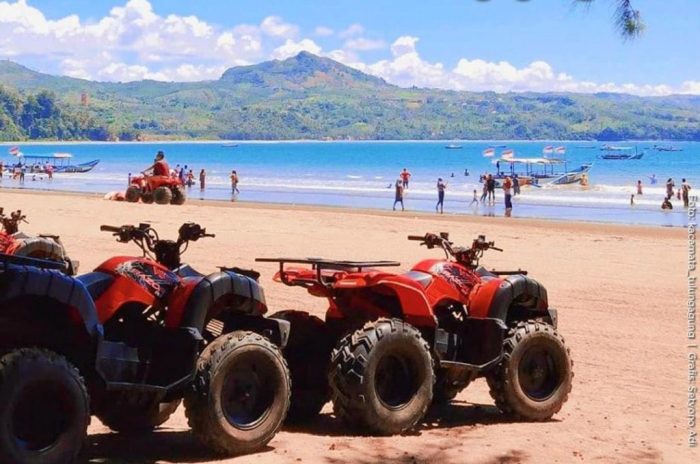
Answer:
(311, 97)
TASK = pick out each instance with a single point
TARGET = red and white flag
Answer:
(548, 150)
(507, 153)
(560, 151)
(14, 151)
(489, 152)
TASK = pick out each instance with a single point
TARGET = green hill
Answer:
(309, 97)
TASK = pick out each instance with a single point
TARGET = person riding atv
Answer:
(156, 185)
(159, 167)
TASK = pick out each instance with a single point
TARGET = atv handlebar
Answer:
(467, 256)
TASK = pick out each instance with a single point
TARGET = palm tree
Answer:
(628, 21)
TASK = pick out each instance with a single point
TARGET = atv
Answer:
(393, 344)
(14, 242)
(161, 189)
(128, 342)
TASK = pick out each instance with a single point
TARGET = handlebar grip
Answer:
(209, 235)
(418, 238)
(497, 249)
(110, 228)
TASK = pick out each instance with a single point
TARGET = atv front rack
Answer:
(321, 264)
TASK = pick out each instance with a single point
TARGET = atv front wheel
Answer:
(45, 409)
(534, 379)
(179, 196)
(124, 418)
(382, 377)
(132, 194)
(163, 195)
(241, 393)
(308, 353)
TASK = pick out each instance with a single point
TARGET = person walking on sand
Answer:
(475, 200)
(639, 187)
(685, 187)
(202, 179)
(507, 195)
(669, 188)
(441, 186)
(405, 176)
(398, 197)
(234, 182)
(491, 188)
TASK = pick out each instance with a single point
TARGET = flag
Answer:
(489, 152)
(507, 153)
(14, 151)
(548, 150)
(560, 151)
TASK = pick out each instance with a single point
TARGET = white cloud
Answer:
(351, 31)
(323, 31)
(276, 27)
(291, 48)
(363, 44)
(692, 87)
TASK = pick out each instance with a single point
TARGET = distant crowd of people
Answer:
(19, 171)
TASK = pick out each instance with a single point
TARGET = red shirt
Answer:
(161, 168)
(405, 175)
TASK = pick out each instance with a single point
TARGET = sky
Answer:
(499, 45)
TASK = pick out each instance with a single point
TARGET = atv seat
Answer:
(422, 278)
(96, 283)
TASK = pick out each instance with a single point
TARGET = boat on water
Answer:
(229, 145)
(453, 146)
(620, 153)
(668, 148)
(541, 171)
(61, 163)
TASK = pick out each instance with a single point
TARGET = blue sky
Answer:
(497, 45)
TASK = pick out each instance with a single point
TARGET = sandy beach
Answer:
(620, 292)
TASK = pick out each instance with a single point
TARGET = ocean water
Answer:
(358, 174)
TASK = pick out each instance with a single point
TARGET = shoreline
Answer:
(587, 226)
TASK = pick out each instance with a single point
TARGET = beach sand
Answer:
(620, 292)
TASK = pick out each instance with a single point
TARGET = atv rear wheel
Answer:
(124, 418)
(534, 379)
(163, 195)
(45, 409)
(179, 196)
(308, 353)
(147, 197)
(382, 377)
(133, 193)
(241, 393)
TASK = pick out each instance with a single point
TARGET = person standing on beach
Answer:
(669, 188)
(202, 179)
(639, 187)
(685, 187)
(190, 178)
(2, 167)
(507, 195)
(49, 171)
(405, 176)
(491, 188)
(182, 175)
(484, 189)
(516, 185)
(398, 198)
(234, 182)
(441, 186)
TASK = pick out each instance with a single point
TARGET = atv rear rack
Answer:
(321, 264)
(6, 260)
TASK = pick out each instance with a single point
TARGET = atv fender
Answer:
(519, 287)
(22, 281)
(211, 289)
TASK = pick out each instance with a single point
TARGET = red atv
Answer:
(128, 342)
(14, 242)
(392, 344)
(161, 189)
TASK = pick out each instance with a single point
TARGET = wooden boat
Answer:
(620, 153)
(453, 146)
(541, 171)
(59, 161)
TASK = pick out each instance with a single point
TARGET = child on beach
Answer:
(441, 186)
(484, 191)
(398, 198)
(234, 182)
(475, 199)
(190, 178)
(639, 187)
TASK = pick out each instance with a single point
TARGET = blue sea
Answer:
(359, 175)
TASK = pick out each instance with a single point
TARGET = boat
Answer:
(668, 148)
(620, 153)
(453, 146)
(61, 163)
(229, 145)
(540, 171)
